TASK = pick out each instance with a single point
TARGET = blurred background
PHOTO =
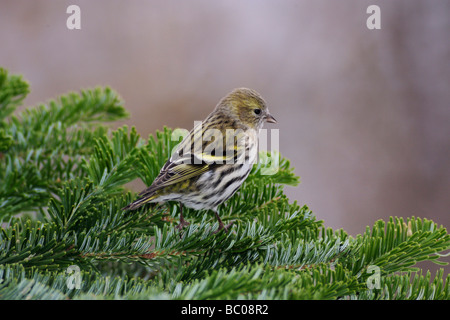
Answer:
(364, 115)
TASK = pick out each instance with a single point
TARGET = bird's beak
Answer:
(270, 118)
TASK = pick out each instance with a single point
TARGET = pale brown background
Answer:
(363, 114)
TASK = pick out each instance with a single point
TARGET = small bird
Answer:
(214, 159)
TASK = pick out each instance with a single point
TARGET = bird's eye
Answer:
(257, 111)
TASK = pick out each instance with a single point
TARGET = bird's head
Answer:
(247, 107)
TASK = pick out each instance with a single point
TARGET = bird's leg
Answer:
(182, 221)
(221, 226)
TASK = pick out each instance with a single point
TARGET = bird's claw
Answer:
(225, 228)
(182, 224)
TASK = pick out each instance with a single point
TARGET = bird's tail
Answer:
(139, 202)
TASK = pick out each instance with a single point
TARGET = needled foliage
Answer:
(62, 177)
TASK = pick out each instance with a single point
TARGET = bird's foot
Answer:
(182, 224)
(225, 228)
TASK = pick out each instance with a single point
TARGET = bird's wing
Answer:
(173, 173)
(191, 160)
(211, 146)
(196, 155)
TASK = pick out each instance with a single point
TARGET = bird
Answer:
(214, 159)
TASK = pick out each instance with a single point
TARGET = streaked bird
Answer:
(214, 159)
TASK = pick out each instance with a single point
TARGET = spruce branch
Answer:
(409, 286)
(398, 245)
(45, 145)
(60, 161)
(13, 90)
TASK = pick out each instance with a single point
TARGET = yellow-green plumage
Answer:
(214, 159)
